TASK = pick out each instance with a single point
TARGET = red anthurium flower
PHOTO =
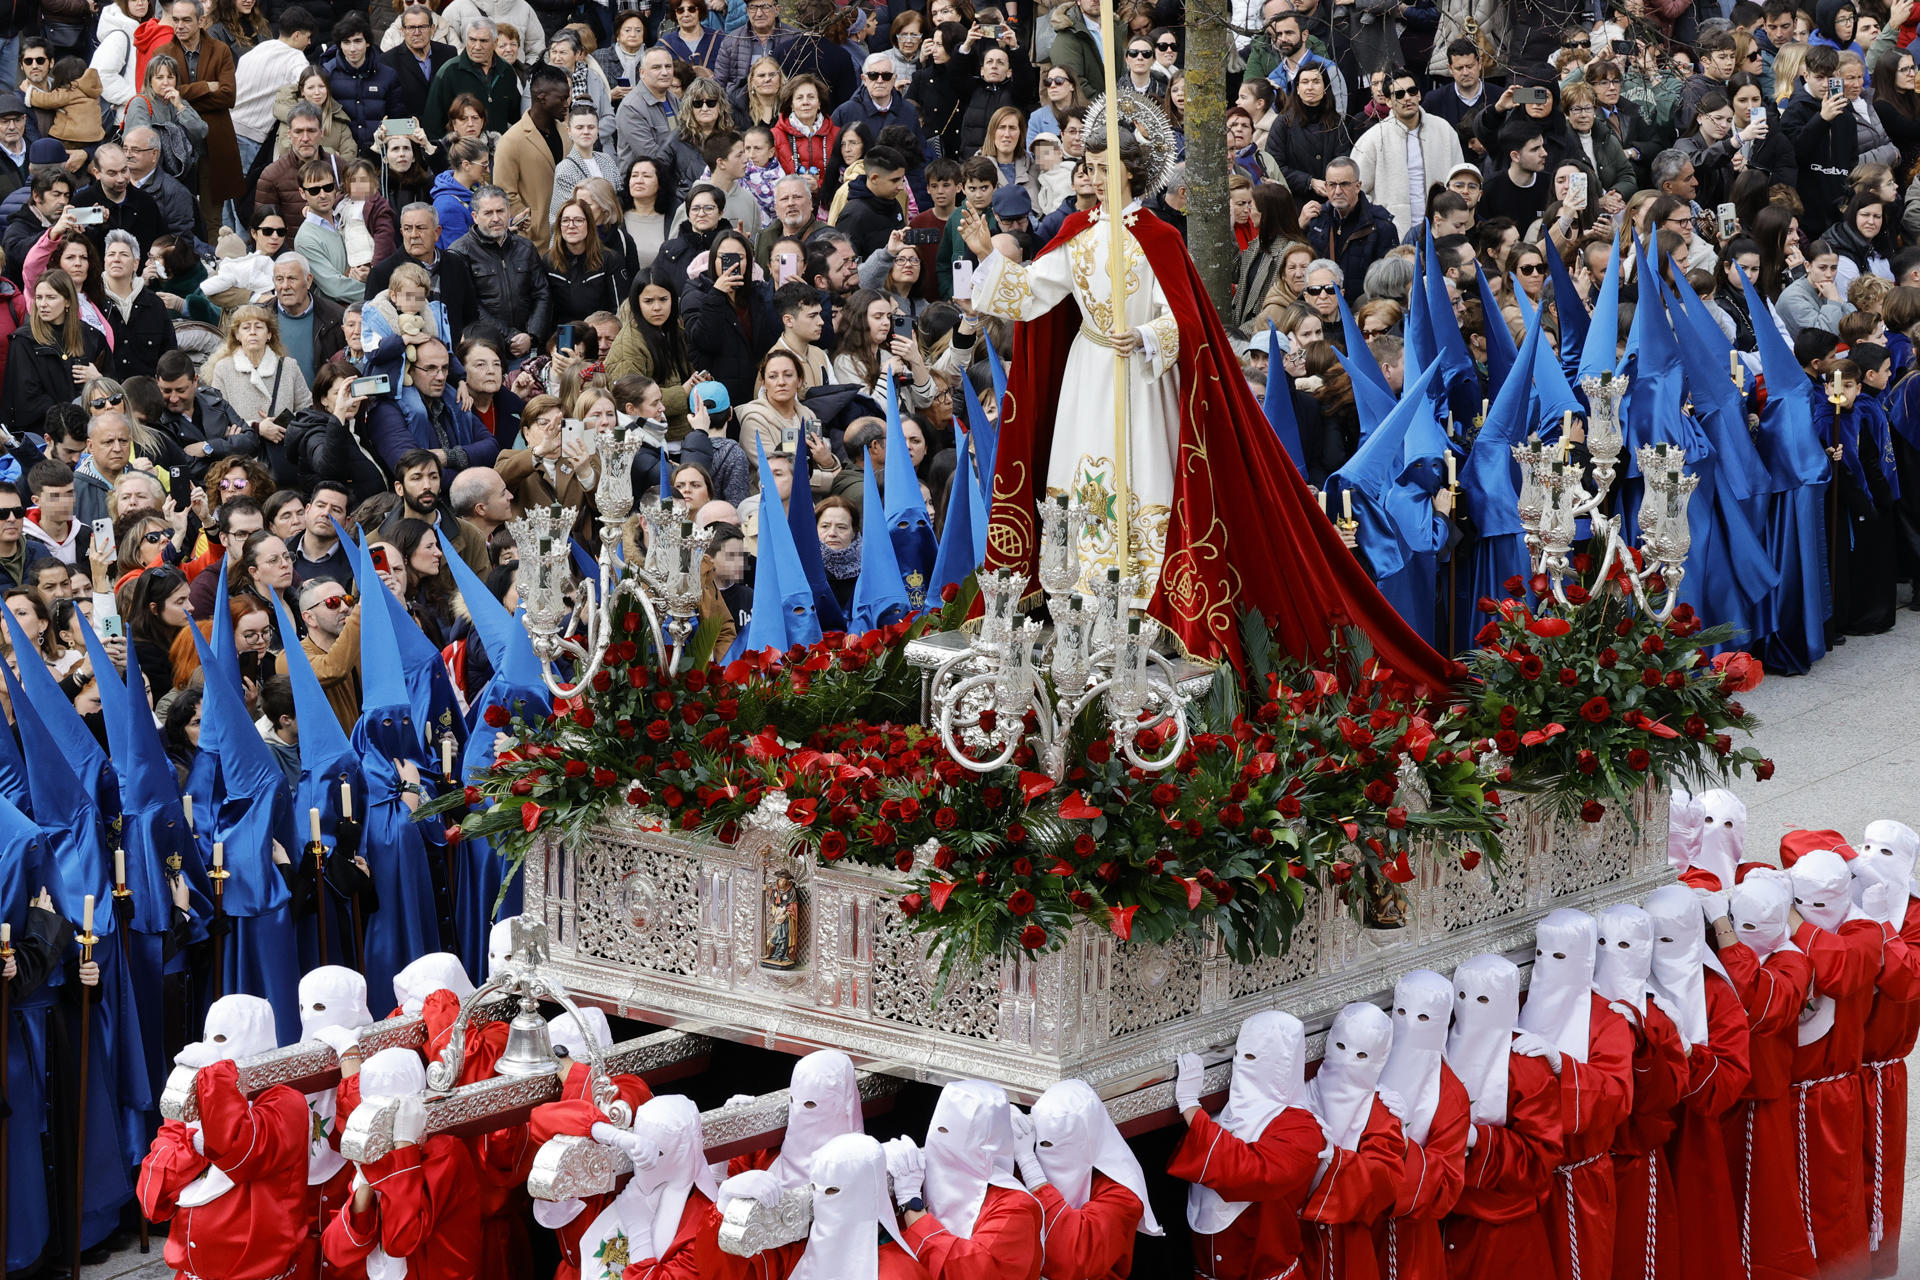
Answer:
(1075, 807)
(1034, 785)
(1120, 920)
(1550, 628)
(940, 891)
(530, 815)
(1398, 871)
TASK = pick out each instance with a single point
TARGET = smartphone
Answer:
(992, 30)
(786, 266)
(1524, 97)
(1577, 190)
(1756, 115)
(963, 280)
(621, 82)
(563, 339)
(111, 627)
(923, 235)
(902, 325)
(103, 532)
(572, 432)
(377, 385)
(379, 557)
(250, 667)
(731, 261)
(284, 417)
(93, 215)
(1834, 87)
(1729, 221)
(398, 128)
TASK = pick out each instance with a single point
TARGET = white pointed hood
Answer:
(1723, 835)
(500, 944)
(1486, 1009)
(330, 996)
(1889, 850)
(823, 1102)
(1341, 1092)
(850, 1209)
(567, 1034)
(1685, 823)
(645, 1217)
(1761, 906)
(1623, 966)
(1269, 1075)
(969, 1147)
(1559, 1006)
(1681, 957)
(1823, 895)
(435, 971)
(237, 1027)
(1422, 1012)
(1073, 1135)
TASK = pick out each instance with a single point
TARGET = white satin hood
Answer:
(1422, 1011)
(435, 971)
(1723, 835)
(1891, 849)
(500, 944)
(1761, 906)
(1486, 1009)
(648, 1210)
(1685, 823)
(1073, 1135)
(237, 1027)
(851, 1207)
(392, 1073)
(1623, 965)
(1341, 1092)
(566, 1033)
(969, 1148)
(823, 1103)
(1269, 1075)
(1822, 889)
(1681, 957)
(1559, 1006)
(332, 996)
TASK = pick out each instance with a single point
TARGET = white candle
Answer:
(313, 825)
(6, 934)
(1322, 493)
(186, 802)
(1346, 504)
(1733, 364)
(119, 868)
(446, 755)
(219, 855)
(86, 917)
(1453, 478)
(346, 800)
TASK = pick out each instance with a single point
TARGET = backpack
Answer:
(176, 148)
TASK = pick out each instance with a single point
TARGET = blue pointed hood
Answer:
(384, 697)
(65, 813)
(327, 755)
(1722, 410)
(1573, 313)
(1376, 473)
(879, 597)
(806, 544)
(906, 511)
(1459, 385)
(1490, 480)
(435, 706)
(985, 432)
(777, 548)
(1370, 403)
(1422, 347)
(65, 730)
(113, 694)
(956, 559)
(999, 371)
(1364, 363)
(1501, 353)
(223, 648)
(1788, 441)
(504, 636)
(1603, 326)
(153, 827)
(1652, 410)
(13, 773)
(977, 498)
(1279, 403)
(253, 808)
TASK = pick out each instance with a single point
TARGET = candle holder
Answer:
(1554, 498)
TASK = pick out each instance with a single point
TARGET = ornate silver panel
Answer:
(749, 1227)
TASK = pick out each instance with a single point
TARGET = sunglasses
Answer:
(879, 75)
(101, 402)
(1168, 45)
(154, 537)
(1320, 290)
(704, 102)
(11, 513)
(328, 602)
(1532, 269)
(1139, 53)
(1371, 334)
(326, 188)
(272, 231)
(33, 62)
(233, 484)
(1057, 82)
(1397, 94)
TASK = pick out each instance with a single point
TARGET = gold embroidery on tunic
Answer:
(1087, 263)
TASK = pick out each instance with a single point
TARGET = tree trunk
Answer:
(1209, 224)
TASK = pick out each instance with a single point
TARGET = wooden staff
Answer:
(219, 876)
(123, 914)
(86, 940)
(6, 1036)
(1453, 557)
(1117, 285)
(318, 852)
(353, 900)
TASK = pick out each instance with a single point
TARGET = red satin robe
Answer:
(1274, 1172)
(574, 1114)
(423, 1210)
(500, 1184)
(777, 1264)
(1005, 1244)
(1597, 1096)
(1407, 1244)
(1356, 1192)
(1701, 878)
(1645, 1245)
(1495, 1231)
(695, 1249)
(257, 1228)
(1761, 1152)
(1707, 1229)
(1892, 1028)
(1093, 1242)
(1826, 1097)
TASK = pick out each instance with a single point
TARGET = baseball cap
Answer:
(713, 395)
(1012, 202)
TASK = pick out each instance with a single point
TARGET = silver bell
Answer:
(529, 1049)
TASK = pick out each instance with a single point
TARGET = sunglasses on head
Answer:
(1320, 290)
(326, 188)
(101, 402)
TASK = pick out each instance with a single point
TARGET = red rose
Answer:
(1531, 666)
(672, 797)
(1592, 811)
(1288, 806)
(471, 795)
(1515, 586)
(1232, 815)
(903, 860)
(1722, 744)
(950, 593)
(1738, 672)
(911, 904)
(1506, 742)
(1638, 759)
(1509, 716)
(1083, 845)
(696, 681)
(1696, 727)
(1596, 710)
(583, 716)
(1342, 872)
(1380, 792)
(1577, 594)
(603, 777)
(497, 717)
(1396, 817)
(1652, 644)
(630, 621)
(1081, 899)
(1022, 868)
(1487, 604)
(1763, 770)
(1487, 634)
(992, 797)
(1569, 677)
(1539, 584)
(1470, 859)
(662, 700)
(576, 768)
(1586, 761)
(881, 833)
(1021, 902)
(833, 844)
(1099, 751)
(727, 708)
(624, 728)
(1650, 678)
(1608, 658)
(946, 817)
(602, 681)
(659, 730)
(1033, 937)
(1165, 794)
(521, 788)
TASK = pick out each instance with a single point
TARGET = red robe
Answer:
(1275, 1173)
(1495, 1231)
(574, 1114)
(777, 1264)
(1892, 1028)
(257, 1228)
(1005, 1244)
(1093, 1242)
(1826, 1097)
(501, 1196)
(1761, 1151)
(1707, 1230)
(1701, 878)
(1356, 1192)
(1408, 1243)
(695, 1250)
(1597, 1096)
(1246, 532)
(423, 1210)
(1645, 1244)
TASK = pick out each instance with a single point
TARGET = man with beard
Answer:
(419, 489)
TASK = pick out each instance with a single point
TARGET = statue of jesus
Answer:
(1217, 518)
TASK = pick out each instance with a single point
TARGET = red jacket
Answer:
(1093, 1242)
(695, 1250)
(1275, 1172)
(1707, 1231)
(1645, 1238)
(423, 1210)
(1005, 1243)
(805, 153)
(1357, 1190)
(1596, 1096)
(1496, 1230)
(574, 1114)
(1407, 1242)
(257, 1228)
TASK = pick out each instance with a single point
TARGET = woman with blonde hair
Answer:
(703, 112)
(159, 104)
(1287, 283)
(760, 99)
(44, 357)
(1787, 65)
(1006, 146)
(251, 369)
(336, 131)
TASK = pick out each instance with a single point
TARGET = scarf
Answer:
(842, 562)
(260, 375)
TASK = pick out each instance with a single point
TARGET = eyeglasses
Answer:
(1320, 290)
(154, 537)
(1139, 53)
(1410, 92)
(1681, 219)
(1531, 269)
(1165, 44)
(271, 231)
(1371, 334)
(101, 402)
(326, 602)
(323, 189)
(879, 75)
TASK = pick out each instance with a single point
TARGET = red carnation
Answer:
(1592, 811)
(1033, 937)
(1595, 710)
(1021, 902)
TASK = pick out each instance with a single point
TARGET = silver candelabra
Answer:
(1102, 649)
(1554, 497)
(666, 587)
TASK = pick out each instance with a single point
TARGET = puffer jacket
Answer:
(365, 93)
(802, 152)
(321, 447)
(509, 282)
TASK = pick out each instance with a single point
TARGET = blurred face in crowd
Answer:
(1531, 158)
(254, 631)
(1240, 204)
(1343, 187)
(781, 381)
(485, 372)
(656, 72)
(835, 528)
(468, 123)
(1853, 79)
(1403, 95)
(184, 21)
(584, 129)
(806, 102)
(490, 212)
(1465, 71)
(1309, 330)
(110, 167)
(1322, 292)
(173, 612)
(418, 230)
(643, 184)
(843, 269)
(292, 288)
(1715, 125)
(730, 562)
(119, 261)
(36, 64)
(13, 129)
(1239, 132)
(601, 415)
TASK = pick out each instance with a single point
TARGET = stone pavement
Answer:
(1846, 744)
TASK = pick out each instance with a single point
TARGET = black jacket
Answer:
(410, 94)
(985, 99)
(509, 283)
(144, 336)
(40, 375)
(670, 264)
(869, 219)
(1827, 151)
(1356, 241)
(1304, 150)
(24, 228)
(213, 423)
(579, 291)
(939, 89)
(321, 447)
(139, 214)
(718, 342)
